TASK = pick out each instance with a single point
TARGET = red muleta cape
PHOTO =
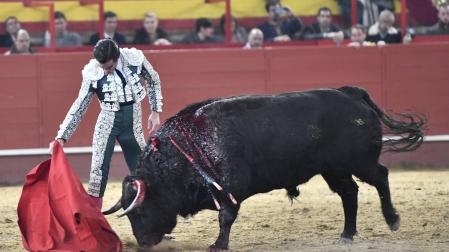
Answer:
(56, 213)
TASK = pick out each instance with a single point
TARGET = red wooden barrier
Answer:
(36, 91)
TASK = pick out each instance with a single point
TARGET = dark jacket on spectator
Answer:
(118, 37)
(314, 32)
(6, 40)
(393, 36)
(194, 39)
(240, 35)
(438, 29)
(288, 27)
(389, 38)
(14, 50)
(142, 36)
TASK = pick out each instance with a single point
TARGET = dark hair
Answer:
(359, 27)
(59, 14)
(323, 9)
(223, 23)
(106, 50)
(271, 3)
(9, 18)
(109, 14)
(203, 23)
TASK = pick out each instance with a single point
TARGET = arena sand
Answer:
(269, 222)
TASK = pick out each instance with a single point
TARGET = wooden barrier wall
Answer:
(37, 91)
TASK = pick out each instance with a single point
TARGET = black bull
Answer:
(217, 150)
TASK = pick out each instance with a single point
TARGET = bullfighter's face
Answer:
(109, 66)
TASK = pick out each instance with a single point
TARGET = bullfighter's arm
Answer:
(76, 112)
(153, 85)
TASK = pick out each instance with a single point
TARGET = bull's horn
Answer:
(115, 208)
(138, 199)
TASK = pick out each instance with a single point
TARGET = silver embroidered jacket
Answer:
(135, 65)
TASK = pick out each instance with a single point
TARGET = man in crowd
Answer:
(21, 44)
(204, 33)
(384, 30)
(150, 33)
(442, 26)
(64, 38)
(12, 25)
(110, 30)
(324, 28)
(282, 24)
(255, 39)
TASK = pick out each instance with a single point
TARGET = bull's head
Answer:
(149, 219)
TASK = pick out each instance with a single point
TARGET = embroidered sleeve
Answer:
(153, 85)
(76, 112)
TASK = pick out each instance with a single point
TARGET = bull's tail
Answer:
(408, 130)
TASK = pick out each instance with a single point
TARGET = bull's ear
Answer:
(154, 143)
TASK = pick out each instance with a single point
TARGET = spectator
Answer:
(255, 39)
(324, 28)
(21, 44)
(358, 37)
(239, 34)
(110, 30)
(12, 25)
(367, 10)
(151, 33)
(64, 38)
(204, 33)
(384, 30)
(282, 24)
(442, 26)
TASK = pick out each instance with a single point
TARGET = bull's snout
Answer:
(148, 241)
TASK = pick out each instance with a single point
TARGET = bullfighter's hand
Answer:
(153, 122)
(50, 146)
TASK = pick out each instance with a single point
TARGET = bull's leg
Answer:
(347, 189)
(226, 217)
(380, 181)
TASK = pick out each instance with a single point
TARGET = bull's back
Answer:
(286, 139)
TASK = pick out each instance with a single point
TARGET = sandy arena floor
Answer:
(268, 222)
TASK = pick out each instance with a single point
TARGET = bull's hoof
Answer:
(215, 248)
(395, 225)
(343, 241)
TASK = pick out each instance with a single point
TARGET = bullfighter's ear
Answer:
(154, 142)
